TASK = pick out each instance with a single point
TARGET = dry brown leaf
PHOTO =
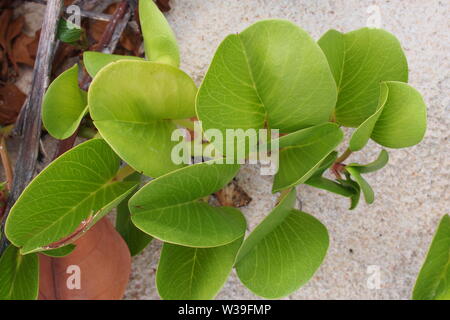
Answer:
(233, 196)
(96, 27)
(21, 52)
(104, 263)
(14, 29)
(163, 5)
(11, 101)
(3, 65)
(131, 41)
(5, 17)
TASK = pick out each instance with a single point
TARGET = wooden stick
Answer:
(31, 130)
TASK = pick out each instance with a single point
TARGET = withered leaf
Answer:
(163, 5)
(233, 196)
(102, 266)
(21, 52)
(11, 101)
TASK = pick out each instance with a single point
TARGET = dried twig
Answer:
(31, 115)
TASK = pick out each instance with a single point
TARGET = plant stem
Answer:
(344, 156)
(6, 162)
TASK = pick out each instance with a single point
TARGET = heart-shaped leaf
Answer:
(64, 105)
(169, 208)
(159, 41)
(283, 252)
(135, 238)
(359, 61)
(302, 153)
(433, 282)
(19, 276)
(402, 123)
(94, 61)
(77, 186)
(399, 122)
(194, 273)
(98, 269)
(270, 75)
(131, 103)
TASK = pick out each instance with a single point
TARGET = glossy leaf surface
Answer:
(19, 275)
(159, 40)
(283, 252)
(359, 61)
(75, 187)
(433, 282)
(132, 102)
(194, 273)
(170, 208)
(64, 105)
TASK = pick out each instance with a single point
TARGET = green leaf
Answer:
(69, 32)
(131, 101)
(19, 276)
(317, 181)
(270, 75)
(302, 152)
(60, 252)
(350, 184)
(159, 41)
(403, 121)
(365, 187)
(433, 282)
(194, 273)
(399, 122)
(359, 61)
(169, 208)
(135, 238)
(330, 185)
(77, 186)
(379, 163)
(283, 252)
(94, 61)
(362, 134)
(64, 105)
(326, 164)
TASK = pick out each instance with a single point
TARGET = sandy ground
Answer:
(412, 193)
